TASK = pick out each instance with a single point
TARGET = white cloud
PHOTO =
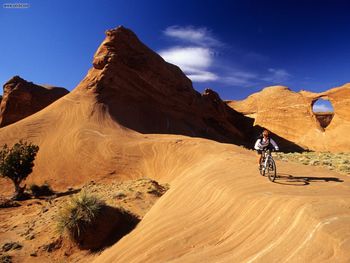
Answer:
(200, 36)
(239, 78)
(322, 107)
(188, 57)
(276, 75)
(250, 78)
(194, 61)
(196, 58)
(202, 76)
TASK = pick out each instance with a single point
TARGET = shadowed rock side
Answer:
(22, 98)
(324, 118)
(289, 114)
(130, 89)
(143, 92)
(218, 207)
(284, 144)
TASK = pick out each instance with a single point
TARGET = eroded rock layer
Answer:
(129, 90)
(218, 207)
(22, 98)
(143, 92)
(289, 114)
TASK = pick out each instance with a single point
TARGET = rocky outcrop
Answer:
(22, 98)
(289, 114)
(324, 118)
(143, 92)
(103, 127)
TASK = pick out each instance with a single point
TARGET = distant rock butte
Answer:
(22, 98)
(289, 114)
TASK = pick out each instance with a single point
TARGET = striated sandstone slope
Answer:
(129, 89)
(22, 98)
(289, 114)
(218, 208)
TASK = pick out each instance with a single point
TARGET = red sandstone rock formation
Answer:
(143, 92)
(22, 98)
(289, 114)
(130, 90)
(324, 118)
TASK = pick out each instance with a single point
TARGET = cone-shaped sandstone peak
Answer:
(143, 92)
(129, 90)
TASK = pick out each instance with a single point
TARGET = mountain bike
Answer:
(268, 165)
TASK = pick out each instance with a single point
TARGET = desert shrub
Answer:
(314, 162)
(5, 259)
(16, 163)
(344, 168)
(120, 194)
(78, 214)
(7, 203)
(93, 225)
(42, 190)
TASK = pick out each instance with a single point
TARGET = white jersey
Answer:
(263, 143)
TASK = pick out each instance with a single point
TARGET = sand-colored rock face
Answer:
(289, 114)
(218, 207)
(129, 89)
(143, 92)
(324, 118)
(22, 98)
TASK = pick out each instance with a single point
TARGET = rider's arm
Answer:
(257, 145)
(274, 144)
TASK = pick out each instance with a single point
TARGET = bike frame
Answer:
(267, 160)
(267, 156)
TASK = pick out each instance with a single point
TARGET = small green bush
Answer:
(78, 214)
(16, 163)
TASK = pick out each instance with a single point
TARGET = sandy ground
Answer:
(218, 208)
(33, 225)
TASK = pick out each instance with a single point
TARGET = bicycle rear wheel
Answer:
(271, 170)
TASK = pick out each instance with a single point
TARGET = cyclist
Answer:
(264, 143)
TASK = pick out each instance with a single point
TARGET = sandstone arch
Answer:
(323, 111)
(291, 117)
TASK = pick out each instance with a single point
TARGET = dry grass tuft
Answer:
(79, 213)
(339, 162)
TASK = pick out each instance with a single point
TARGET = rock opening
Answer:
(323, 110)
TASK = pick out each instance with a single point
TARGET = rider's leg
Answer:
(259, 158)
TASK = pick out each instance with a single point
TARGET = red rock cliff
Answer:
(22, 98)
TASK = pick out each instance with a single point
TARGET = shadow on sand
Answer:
(288, 179)
(55, 195)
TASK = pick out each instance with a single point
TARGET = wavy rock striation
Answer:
(289, 114)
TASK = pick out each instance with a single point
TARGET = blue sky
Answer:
(233, 47)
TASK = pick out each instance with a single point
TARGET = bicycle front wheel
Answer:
(262, 168)
(271, 170)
